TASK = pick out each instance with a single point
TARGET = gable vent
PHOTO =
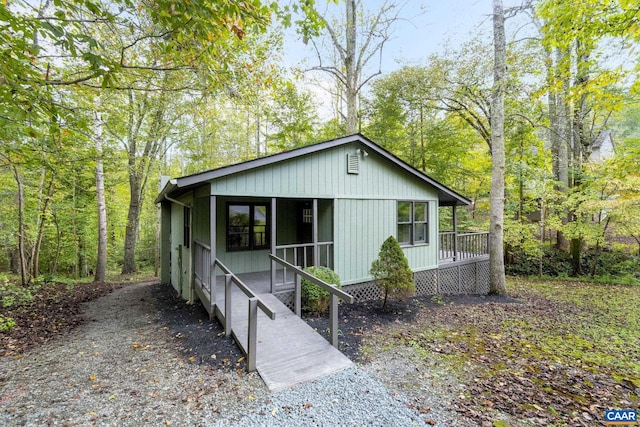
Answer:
(353, 163)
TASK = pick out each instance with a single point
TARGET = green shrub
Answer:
(315, 299)
(12, 294)
(392, 273)
(6, 323)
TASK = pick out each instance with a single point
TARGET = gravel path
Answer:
(124, 367)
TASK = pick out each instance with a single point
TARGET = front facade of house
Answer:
(332, 203)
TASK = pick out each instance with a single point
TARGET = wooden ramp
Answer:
(289, 351)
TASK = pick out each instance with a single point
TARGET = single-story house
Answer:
(331, 203)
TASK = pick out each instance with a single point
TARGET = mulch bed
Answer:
(54, 311)
(354, 320)
(57, 309)
(200, 339)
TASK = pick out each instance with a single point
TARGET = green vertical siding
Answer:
(238, 261)
(325, 220)
(180, 256)
(360, 228)
(201, 224)
(165, 242)
(324, 175)
(356, 211)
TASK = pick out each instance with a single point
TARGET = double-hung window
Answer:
(247, 226)
(413, 221)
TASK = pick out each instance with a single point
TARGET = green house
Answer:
(332, 204)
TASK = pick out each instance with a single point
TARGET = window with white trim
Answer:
(413, 221)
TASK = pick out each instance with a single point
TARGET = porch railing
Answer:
(458, 247)
(202, 272)
(301, 255)
(336, 294)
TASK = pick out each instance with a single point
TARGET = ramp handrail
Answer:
(254, 303)
(332, 289)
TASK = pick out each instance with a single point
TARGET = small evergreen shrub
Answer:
(314, 298)
(392, 273)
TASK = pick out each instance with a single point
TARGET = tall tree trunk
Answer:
(131, 231)
(140, 163)
(56, 259)
(580, 142)
(559, 135)
(350, 68)
(497, 282)
(24, 278)
(35, 252)
(101, 259)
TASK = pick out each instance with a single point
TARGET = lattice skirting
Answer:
(452, 279)
(464, 278)
(287, 298)
(364, 291)
(426, 282)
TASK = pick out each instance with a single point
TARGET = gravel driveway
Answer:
(127, 365)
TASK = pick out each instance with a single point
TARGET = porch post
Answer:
(316, 253)
(212, 254)
(455, 232)
(273, 242)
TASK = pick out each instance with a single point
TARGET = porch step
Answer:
(289, 351)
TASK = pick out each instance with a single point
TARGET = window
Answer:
(186, 229)
(412, 223)
(247, 226)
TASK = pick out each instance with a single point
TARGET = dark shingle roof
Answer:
(180, 185)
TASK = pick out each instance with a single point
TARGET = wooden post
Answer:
(455, 233)
(274, 241)
(228, 283)
(253, 334)
(316, 254)
(333, 315)
(297, 294)
(212, 255)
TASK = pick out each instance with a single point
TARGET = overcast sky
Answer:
(427, 27)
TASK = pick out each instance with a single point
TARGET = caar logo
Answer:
(621, 417)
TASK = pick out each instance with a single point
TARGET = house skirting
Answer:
(454, 278)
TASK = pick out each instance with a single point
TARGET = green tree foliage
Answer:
(392, 273)
(59, 56)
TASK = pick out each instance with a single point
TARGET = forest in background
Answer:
(101, 99)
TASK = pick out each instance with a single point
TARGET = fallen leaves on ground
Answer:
(55, 310)
(562, 356)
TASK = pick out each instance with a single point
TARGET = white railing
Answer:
(332, 289)
(301, 255)
(458, 247)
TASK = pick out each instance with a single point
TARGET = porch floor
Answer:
(289, 351)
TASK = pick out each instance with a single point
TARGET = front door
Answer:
(304, 223)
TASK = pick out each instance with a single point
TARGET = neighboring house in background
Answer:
(602, 147)
(332, 204)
